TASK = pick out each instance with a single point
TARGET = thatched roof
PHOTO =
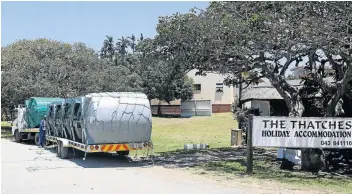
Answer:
(265, 91)
(260, 93)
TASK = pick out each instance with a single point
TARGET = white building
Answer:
(210, 87)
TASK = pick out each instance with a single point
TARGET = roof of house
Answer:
(265, 91)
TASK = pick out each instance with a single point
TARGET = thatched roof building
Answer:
(265, 91)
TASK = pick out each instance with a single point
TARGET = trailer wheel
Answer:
(58, 149)
(18, 137)
(64, 152)
(123, 154)
(47, 143)
(286, 164)
(36, 139)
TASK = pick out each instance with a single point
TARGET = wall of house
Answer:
(208, 88)
(263, 105)
(167, 109)
(221, 101)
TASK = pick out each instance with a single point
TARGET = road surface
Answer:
(29, 169)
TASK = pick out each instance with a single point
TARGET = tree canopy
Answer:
(50, 68)
(265, 39)
(160, 78)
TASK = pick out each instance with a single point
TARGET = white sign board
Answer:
(302, 132)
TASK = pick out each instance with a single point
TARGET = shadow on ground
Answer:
(193, 158)
(220, 161)
(101, 160)
(232, 161)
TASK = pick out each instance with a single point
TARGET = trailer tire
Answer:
(47, 143)
(64, 152)
(18, 137)
(36, 139)
(286, 164)
(58, 149)
(123, 154)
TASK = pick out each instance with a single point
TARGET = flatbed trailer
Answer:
(123, 149)
(107, 122)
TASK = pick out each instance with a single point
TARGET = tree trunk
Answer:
(311, 159)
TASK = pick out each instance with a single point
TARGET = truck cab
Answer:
(28, 116)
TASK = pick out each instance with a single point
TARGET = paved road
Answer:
(29, 169)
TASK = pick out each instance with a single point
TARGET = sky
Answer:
(87, 22)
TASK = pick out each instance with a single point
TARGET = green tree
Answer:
(265, 39)
(50, 68)
(157, 81)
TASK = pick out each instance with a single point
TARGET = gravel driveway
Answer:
(29, 169)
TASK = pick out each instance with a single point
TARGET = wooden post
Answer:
(236, 137)
(249, 145)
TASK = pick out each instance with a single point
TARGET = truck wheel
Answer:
(18, 137)
(123, 154)
(64, 152)
(36, 139)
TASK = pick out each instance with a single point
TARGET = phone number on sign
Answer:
(337, 143)
(342, 143)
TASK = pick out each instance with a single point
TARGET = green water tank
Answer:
(36, 109)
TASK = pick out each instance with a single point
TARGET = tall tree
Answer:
(157, 81)
(264, 39)
(50, 68)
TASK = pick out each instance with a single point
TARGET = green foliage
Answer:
(265, 39)
(258, 37)
(48, 68)
(159, 78)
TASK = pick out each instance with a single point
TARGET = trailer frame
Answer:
(124, 148)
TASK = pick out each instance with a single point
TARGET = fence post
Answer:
(250, 145)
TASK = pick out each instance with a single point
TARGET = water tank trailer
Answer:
(113, 122)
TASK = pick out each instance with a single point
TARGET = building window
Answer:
(219, 87)
(197, 87)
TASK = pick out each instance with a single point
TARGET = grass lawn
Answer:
(169, 134)
(5, 132)
(5, 124)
